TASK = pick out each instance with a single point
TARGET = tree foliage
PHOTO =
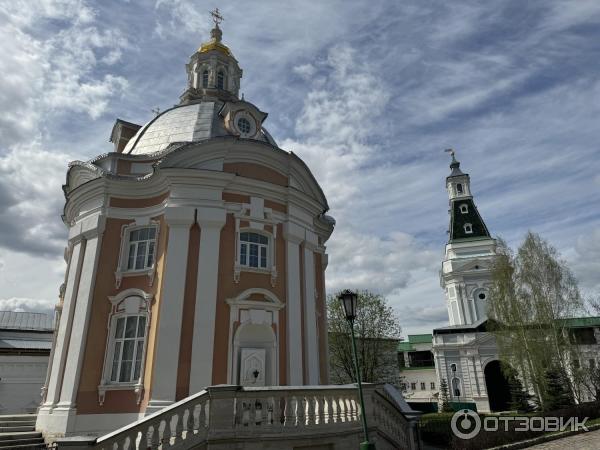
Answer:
(531, 291)
(377, 330)
(444, 397)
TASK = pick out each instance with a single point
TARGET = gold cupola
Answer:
(212, 71)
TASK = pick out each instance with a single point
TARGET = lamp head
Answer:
(349, 300)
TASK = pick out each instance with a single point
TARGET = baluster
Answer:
(189, 423)
(278, 417)
(260, 410)
(310, 406)
(203, 414)
(177, 428)
(321, 410)
(301, 411)
(154, 437)
(336, 409)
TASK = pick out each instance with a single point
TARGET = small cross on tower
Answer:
(216, 17)
(156, 110)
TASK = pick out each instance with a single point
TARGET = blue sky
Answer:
(369, 94)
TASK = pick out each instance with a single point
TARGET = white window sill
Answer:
(136, 387)
(237, 269)
(120, 274)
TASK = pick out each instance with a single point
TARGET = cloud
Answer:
(56, 73)
(26, 304)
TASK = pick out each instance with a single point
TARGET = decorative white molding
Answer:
(121, 308)
(122, 271)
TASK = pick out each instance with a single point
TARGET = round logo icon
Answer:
(465, 424)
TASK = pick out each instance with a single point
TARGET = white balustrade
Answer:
(228, 411)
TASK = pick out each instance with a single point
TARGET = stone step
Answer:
(17, 429)
(17, 417)
(30, 446)
(13, 436)
(23, 443)
(18, 423)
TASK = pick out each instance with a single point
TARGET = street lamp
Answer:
(349, 300)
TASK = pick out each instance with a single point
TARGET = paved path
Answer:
(582, 441)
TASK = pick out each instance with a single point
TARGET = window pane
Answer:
(141, 330)
(134, 236)
(244, 254)
(141, 255)
(263, 257)
(144, 234)
(263, 239)
(150, 260)
(131, 256)
(138, 359)
(243, 236)
(120, 326)
(116, 358)
(253, 255)
(125, 371)
(131, 327)
(152, 233)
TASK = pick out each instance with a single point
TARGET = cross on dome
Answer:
(216, 17)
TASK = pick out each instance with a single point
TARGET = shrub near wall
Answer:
(435, 428)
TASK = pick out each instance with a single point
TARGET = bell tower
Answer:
(470, 252)
(213, 71)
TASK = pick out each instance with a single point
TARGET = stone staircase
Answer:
(18, 432)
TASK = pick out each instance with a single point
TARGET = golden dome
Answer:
(213, 44)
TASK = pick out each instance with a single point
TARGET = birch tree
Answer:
(531, 291)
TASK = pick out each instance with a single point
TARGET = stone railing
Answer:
(285, 416)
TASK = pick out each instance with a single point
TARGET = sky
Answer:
(367, 93)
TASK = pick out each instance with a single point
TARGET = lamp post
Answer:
(349, 300)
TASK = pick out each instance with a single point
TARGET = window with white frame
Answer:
(254, 250)
(464, 209)
(126, 343)
(468, 228)
(128, 348)
(141, 248)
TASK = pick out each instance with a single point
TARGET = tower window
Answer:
(459, 188)
(205, 79)
(481, 296)
(220, 80)
(142, 244)
(464, 209)
(468, 228)
(422, 385)
(253, 250)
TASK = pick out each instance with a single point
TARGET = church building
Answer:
(196, 256)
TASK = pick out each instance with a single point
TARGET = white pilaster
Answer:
(311, 344)
(210, 220)
(293, 235)
(164, 372)
(64, 328)
(83, 306)
(65, 382)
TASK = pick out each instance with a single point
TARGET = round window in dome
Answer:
(244, 125)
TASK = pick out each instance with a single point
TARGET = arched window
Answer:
(254, 250)
(468, 228)
(126, 343)
(205, 79)
(459, 188)
(220, 80)
(464, 209)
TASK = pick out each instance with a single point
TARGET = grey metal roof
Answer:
(185, 123)
(26, 344)
(12, 320)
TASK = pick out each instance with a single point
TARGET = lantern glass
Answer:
(349, 300)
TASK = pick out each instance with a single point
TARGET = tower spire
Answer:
(217, 18)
